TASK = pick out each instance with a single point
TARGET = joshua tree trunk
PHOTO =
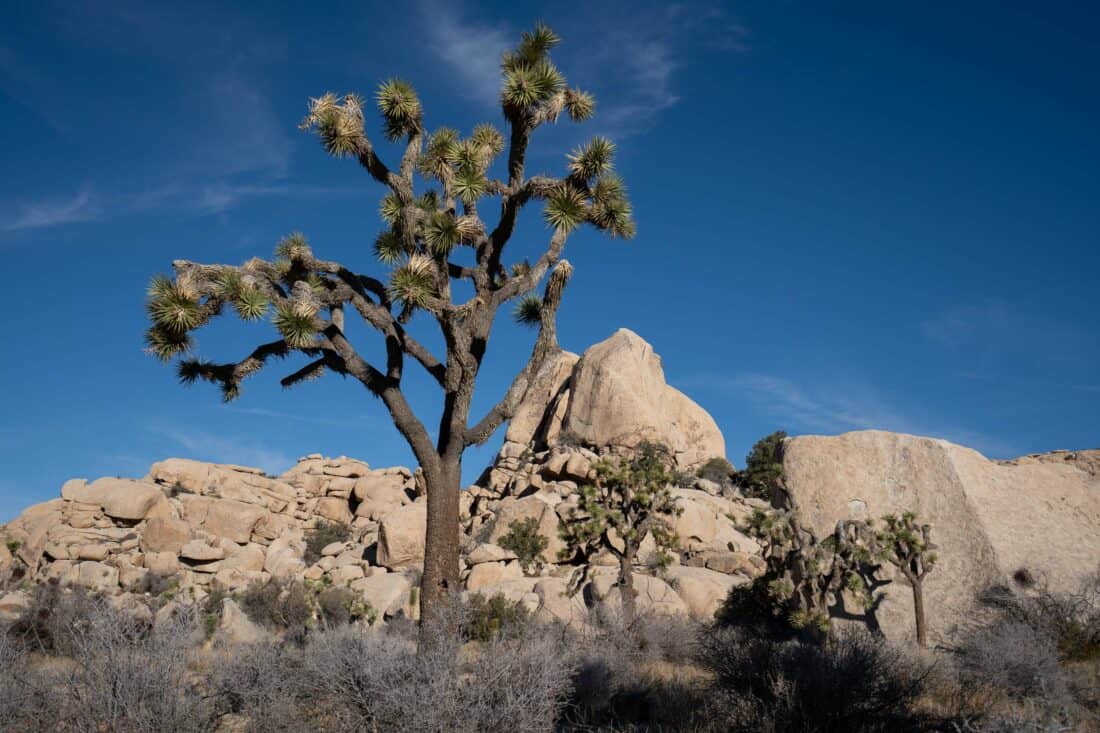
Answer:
(918, 609)
(626, 588)
(440, 582)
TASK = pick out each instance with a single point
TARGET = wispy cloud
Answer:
(218, 448)
(472, 49)
(195, 199)
(835, 409)
(53, 212)
(632, 66)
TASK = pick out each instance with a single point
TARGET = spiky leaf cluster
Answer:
(400, 108)
(175, 311)
(294, 247)
(529, 75)
(295, 323)
(413, 284)
(906, 544)
(338, 123)
(592, 159)
(565, 208)
(528, 311)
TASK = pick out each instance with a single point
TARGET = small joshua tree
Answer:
(437, 243)
(629, 499)
(907, 545)
(804, 576)
(523, 538)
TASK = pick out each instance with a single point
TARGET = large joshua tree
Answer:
(435, 236)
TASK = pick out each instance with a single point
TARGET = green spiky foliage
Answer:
(629, 499)
(435, 242)
(529, 310)
(906, 544)
(805, 577)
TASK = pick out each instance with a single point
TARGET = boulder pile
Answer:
(191, 526)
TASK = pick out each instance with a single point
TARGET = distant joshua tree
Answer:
(907, 545)
(630, 498)
(434, 238)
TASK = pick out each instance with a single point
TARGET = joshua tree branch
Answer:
(545, 345)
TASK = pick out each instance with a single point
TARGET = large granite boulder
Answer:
(618, 397)
(989, 518)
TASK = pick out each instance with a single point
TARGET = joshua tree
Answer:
(434, 237)
(804, 576)
(629, 499)
(908, 546)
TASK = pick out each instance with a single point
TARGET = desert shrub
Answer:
(376, 681)
(321, 535)
(337, 606)
(636, 678)
(126, 675)
(212, 610)
(523, 538)
(262, 687)
(718, 470)
(852, 683)
(1012, 658)
(1071, 619)
(763, 470)
(280, 605)
(751, 607)
(54, 617)
(485, 619)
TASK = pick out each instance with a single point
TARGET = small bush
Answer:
(372, 681)
(1071, 619)
(1014, 659)
(523, 538)
(718, 470)
(339, 606)
(854, 683)
(485, 619)
(763, 466)
(323, 534)
(54, 617)
(279, 605)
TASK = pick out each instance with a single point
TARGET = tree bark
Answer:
(918, 611)
(440, 586)
(626, 590)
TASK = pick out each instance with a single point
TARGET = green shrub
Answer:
(212, 609)
(487, 618)
(763, 466)
(13, 545)
(523, 538)
(279, 605)
(718, 470)
(339, 606)
(323, 534)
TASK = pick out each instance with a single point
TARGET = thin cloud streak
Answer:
(835, 410)
(217, 448)
(55, 212)
(471, 49)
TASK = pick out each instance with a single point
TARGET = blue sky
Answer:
(850, 214)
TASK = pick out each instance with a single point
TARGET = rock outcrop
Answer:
(194, 526)
(1040, 513)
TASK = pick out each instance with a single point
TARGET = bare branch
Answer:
(546, 345)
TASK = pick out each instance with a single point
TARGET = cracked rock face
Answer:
(1040, 513)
